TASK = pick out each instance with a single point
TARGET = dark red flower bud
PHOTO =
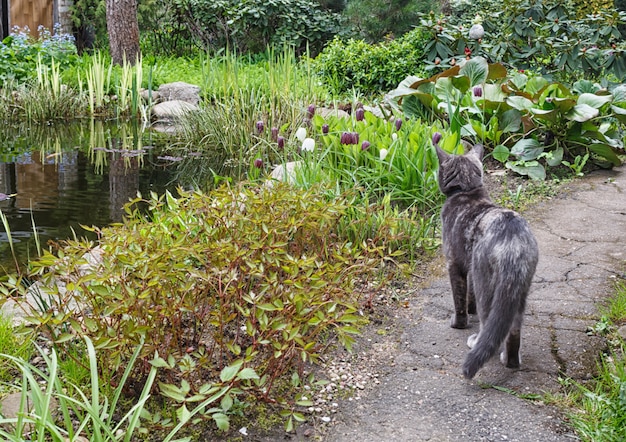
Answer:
(281, 141)
(360, 114)
(365, 145)
(274, 133)
(310, 111)
(260, 126)
(325, 129)
(398, 123)
(258, 163)
(478, 91)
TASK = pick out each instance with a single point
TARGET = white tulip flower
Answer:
(308, 145)
(383, 154)
(301, 134)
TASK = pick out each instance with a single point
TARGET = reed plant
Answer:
(98, 78)
(46, 98)
(129, 88)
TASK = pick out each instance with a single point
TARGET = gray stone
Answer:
(171, 110)
(180, 91)
(326, 112)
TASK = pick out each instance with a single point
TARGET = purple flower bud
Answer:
(260, 126)
(365, 145)
(436, 138)
(355, 138)
(274, 133)
(310, 111)
(360, 114)
(346, 138)
(478, 91)
(325, 129)
(281, 142)
(398, 123)
(258, 163)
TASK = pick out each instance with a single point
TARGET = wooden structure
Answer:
(34, 13)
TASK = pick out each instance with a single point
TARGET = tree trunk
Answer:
(123, 30)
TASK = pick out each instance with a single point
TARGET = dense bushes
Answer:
(367, 68)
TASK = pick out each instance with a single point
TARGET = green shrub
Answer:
(249, 27)
(357, 65)
(246, 276)
(529, 122)
(19, 52)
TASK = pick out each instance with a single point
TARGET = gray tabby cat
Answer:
(491, 255)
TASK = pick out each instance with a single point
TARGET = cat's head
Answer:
(460, 173)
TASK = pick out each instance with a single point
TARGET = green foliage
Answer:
(249, 27)
(13, 345)
(599, 408)
(536, 121)
(20, 53)
(543, 36)
(375, 20)
(82, 411)
(254, 279)
(357, 65)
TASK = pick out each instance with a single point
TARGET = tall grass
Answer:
(98, 77)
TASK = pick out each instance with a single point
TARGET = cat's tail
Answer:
(495, 330)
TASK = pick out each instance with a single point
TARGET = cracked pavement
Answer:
(421, 394)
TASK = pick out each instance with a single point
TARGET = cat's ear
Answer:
(477, 151)
(441, 154)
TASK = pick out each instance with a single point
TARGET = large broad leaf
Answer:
(533, 169)
(501, 153)
(606, 152)
(496, 71)
(582, 112)
(527, 149)
(619, 94)
(520, 103)
(461, 82)
(536, 84)
(545, 114)
(555, 157)
(563, 104)
(511, 120)
(593, 100)
(476, 69)
(494, 92)
(415, 105)
(619, 113)
(586, 86)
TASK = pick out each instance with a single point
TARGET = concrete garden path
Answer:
(420, 394)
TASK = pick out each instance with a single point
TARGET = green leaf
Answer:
(527, 149)
(476, 69)
(183, 414)
(511, 120)
(593, 100)
(555, 157)
(520, 103)
(582, 113)
(619, 94)
(606, 152)
(226, 403)
(619, 113)
(221, 420)
(501, 153)
(247, 373)
(533, 169)
(229, 373)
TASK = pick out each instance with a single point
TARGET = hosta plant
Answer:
(529, 122)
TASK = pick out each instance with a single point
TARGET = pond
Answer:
(59, 177)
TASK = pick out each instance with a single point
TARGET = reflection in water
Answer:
(64, 177)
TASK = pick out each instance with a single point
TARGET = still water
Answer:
(57, 178)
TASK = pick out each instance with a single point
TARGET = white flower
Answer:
(383, 153)
(394, 136)
(301, 134)
(308, 144)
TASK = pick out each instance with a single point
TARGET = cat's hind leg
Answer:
(458, 281)
(511, 357)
